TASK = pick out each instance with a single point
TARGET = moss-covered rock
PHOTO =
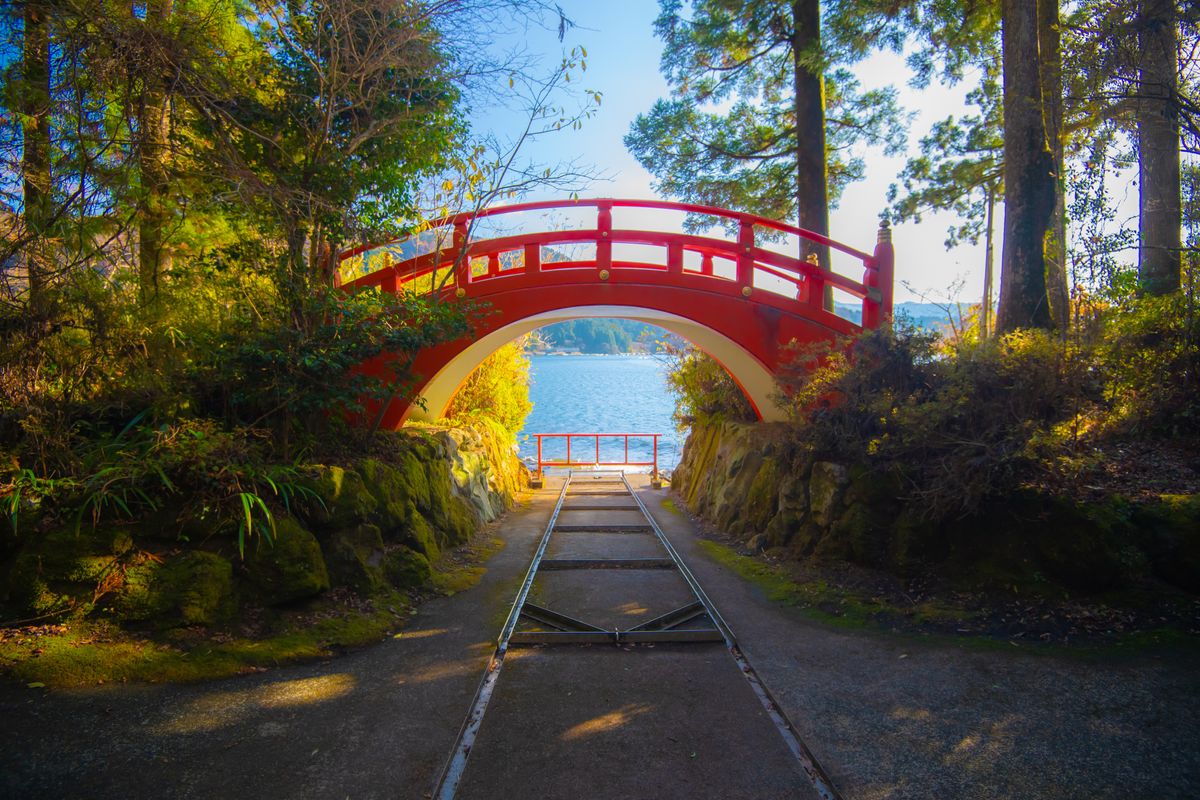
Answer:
(805, 539)
(345, 500)
(780, 529)
(420, 535)
(860, 535)
(418, 468)
(915, 540)
(355, 558)
(472, 477)
(392, 494)
(762, 500)
(62, 569)
(461, 522)
(193, 588)
(1078, 550)
(451, 515)
(1169, 533)
(290, 568)
(825, 487)
(405, 568)
(1031, 538)
(728, 508)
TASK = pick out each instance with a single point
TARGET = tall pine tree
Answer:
(780, 148)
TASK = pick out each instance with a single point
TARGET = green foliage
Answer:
(24, 491)
(955, 426)
(335, 113)
(195, 471)
(704, 391)
(1150, 354)
(498, 389)
(277, 372)
(960, 165)
(740, 57)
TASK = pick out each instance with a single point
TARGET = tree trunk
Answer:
(35, 159)
(154, 120)
(1028, 175)
(1057, 289)
(1159, 215)
(293, 283)
(985, 313)
(812, 190)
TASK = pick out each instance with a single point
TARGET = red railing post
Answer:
(815, 281)
(655, 439)
(533, 258)
(539, 438)
(745, 254)
(388, 282)
(568, 450)
(877, 305)
(604, 235)
(597, 448)
(675, 259)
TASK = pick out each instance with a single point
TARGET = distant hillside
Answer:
(924, 315)
(604, 336)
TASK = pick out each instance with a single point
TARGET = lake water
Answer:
(601, 394)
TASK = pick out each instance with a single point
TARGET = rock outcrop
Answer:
(374, 525)
(751, 483)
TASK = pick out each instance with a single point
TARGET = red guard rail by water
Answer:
(594, 450)
(735, 298)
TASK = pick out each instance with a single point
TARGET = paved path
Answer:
(888, 717)
(612, 722)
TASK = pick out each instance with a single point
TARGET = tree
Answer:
(1028, 174)
(1134, 76)
(962, 164)
(338, 111)
(780, 149)
(153, 125)
(1050, 54)
(37, 197)
(960, 169)
(1159, 219)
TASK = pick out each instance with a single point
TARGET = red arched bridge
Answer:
(739, 299)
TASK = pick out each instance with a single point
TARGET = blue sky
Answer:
(622, 63)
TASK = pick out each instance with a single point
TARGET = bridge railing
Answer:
(450, 256)
(590, 454)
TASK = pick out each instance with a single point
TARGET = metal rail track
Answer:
(696, 622)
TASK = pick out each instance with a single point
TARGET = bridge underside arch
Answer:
(749, 373)
(749, 339)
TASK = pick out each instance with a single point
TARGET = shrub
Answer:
(704, 391)
(300, 378)
(954, 426)
(498, 389)
(1150, 354)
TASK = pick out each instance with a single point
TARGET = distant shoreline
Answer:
(561, 353)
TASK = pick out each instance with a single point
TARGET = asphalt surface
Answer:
(887, 716)
(611, 722)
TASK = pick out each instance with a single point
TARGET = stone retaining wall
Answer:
(379, 525)
(751, 483)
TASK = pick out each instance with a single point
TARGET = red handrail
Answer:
(568, 462)
(668, 205)
(458, 251)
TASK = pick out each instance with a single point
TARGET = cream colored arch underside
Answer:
(753, 377)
